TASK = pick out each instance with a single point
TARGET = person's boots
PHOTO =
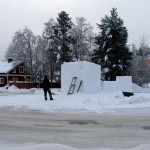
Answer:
(51, 99)
(50, 95)
(45, 98)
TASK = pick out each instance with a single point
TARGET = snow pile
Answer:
(138, 99)
(14, 89)
(40, 147)
(79, 102)
(139, 89)
(64, 147)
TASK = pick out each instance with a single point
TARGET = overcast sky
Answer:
(16, 14)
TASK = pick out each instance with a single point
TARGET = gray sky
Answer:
(16, 14)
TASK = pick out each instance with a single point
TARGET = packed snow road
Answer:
(82, 131)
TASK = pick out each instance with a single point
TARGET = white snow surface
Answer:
(106, 102)
(88, 73)
(5, 67)
(64, 147)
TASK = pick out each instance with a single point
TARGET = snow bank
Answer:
(139, 89)
(64, 147)
(40, 147)
(106, 102)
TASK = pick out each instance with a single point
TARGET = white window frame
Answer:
(1, 80)
(21, 69)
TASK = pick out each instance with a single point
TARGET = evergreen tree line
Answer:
(61, 41)
(65, 41)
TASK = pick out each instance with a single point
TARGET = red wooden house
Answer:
(11, 72)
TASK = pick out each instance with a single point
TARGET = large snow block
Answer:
(125, 83)
(88, 73)
(122, 83)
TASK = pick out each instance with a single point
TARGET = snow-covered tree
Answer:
(113, 52)
(22, 48)
(83, 38)
(16, 49)
(63, 36)
(29, 39)
(140, 67)
(52, 48)
(40, 57)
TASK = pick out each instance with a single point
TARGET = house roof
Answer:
(5, 67)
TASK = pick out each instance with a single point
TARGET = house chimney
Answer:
(10, 60)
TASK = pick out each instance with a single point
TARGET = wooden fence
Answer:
(28, 85)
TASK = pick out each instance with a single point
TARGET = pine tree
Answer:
(113, 53)
(64, 37)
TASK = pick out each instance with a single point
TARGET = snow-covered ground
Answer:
(64, 147)
(113, 102)
(105, 102)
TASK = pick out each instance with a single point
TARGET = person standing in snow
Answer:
(46, 88)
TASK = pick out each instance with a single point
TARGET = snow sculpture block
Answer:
(122, 83)
(89, 73)
(125, 83)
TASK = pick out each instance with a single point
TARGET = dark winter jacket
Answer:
(46, 84)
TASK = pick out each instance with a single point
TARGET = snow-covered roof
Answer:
(5, 67)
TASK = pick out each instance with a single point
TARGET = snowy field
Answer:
(113, 102)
